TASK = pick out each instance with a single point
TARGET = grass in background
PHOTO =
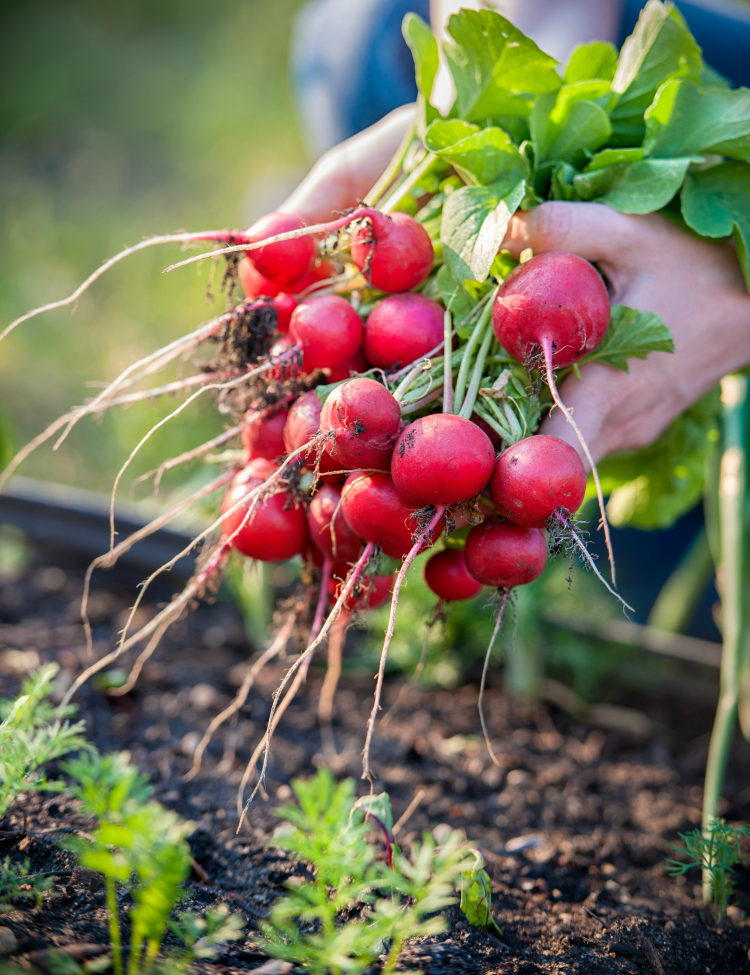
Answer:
(118, 121)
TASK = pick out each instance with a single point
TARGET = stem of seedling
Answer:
(410, 379)
(413, 553)
(114, 925)
(733, 572)
(448, 357)
(548, 353)
(504, 596)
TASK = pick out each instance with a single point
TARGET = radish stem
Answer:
(409, 183)
(548, 353)
(468, 350)
(392, 169)
(447, 373)
(467, 407)
(413, 552)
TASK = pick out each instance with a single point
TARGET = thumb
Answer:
(594, 231)
(588, 399)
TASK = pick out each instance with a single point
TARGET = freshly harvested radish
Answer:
(328, 527)
(375, 511)
(276, 528)
(286, 261)
(555, 301)
(265, 437)
(289, 367)
(393, 251)
(448, 577)
(441, 459)
(503, 554)
(328, 329)
(535, 477)
(302, 423)
(401, 329)
(364, 419)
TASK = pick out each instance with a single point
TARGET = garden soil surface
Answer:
(574, 823)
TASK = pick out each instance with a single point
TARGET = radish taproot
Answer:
(393, 251)
(535, 477)
(363, 420)
(502, 554)
(402, 328)
(302, 424)
(448, 577)
(441, 459)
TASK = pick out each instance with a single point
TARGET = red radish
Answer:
(495, 439)
(284, 305)
(535, 477)
(393, 251)
(277, 528)
(375, 591)
(255, 285)
(287, 261)
(501, 553)
(402, 329)
(328, 527)
(441, 459)
(446, 574)
(329, 330)
(302, 424)
(365, 420)
(374, 510)
(557, 304)
(356, 364)
(555, 298)
(265, 437)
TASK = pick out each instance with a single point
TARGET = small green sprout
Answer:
(716, 851)
(17, 883)
(356, 907)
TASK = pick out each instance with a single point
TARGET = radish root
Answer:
(504, 596)
(414, 551)
(547, 350)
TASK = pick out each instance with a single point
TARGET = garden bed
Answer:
(574, 824)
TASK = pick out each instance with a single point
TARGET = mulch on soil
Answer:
(574, 823)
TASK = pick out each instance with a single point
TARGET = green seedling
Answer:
(16, 883)
(33, 732)
(355, 907)
(716, 852)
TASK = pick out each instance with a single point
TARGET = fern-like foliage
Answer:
(355, 908)
(716, 851)
(33, 732)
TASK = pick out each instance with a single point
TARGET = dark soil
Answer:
(574, 824)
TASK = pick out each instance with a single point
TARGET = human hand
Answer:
(347, 172)
(649, 264)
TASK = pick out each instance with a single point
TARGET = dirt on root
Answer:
(574, 823)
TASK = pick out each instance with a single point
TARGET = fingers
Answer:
(589, 400)
(594, 231)
(345, 174)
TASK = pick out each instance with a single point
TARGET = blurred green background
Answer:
(119, 121)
